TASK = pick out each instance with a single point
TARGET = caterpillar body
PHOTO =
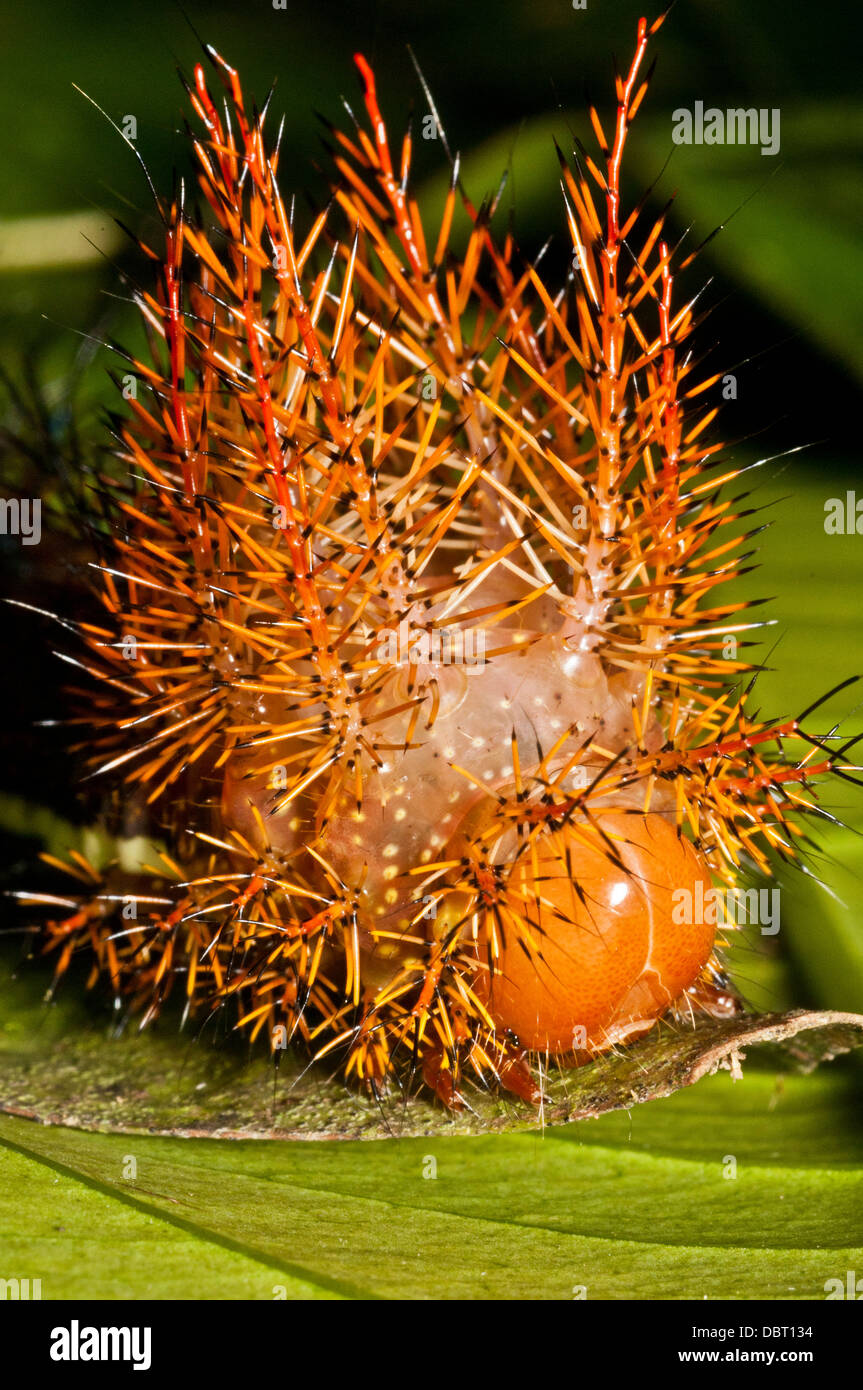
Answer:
(414, 643)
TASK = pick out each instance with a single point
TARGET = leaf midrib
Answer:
(206, 1234)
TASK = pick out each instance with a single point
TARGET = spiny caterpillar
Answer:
(414, 646)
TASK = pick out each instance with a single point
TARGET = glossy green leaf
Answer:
(795, 239)
(733, 1190)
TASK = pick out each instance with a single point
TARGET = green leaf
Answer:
(647, 1207)
(823, 925)
(796, 242)
(817, 643)
(799, 252)
(83, 1241)
(62, 1067)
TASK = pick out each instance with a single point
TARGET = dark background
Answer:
(504, 75)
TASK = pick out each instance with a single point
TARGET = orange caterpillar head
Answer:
(580, 942)
(602, 958)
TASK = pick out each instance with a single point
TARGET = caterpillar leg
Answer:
(515, 1075)
(512, 1073)
(437, 1073)
(711, 995)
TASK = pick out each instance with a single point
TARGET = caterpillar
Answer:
(412, 651)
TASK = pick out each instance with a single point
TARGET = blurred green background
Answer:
(786, 300)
